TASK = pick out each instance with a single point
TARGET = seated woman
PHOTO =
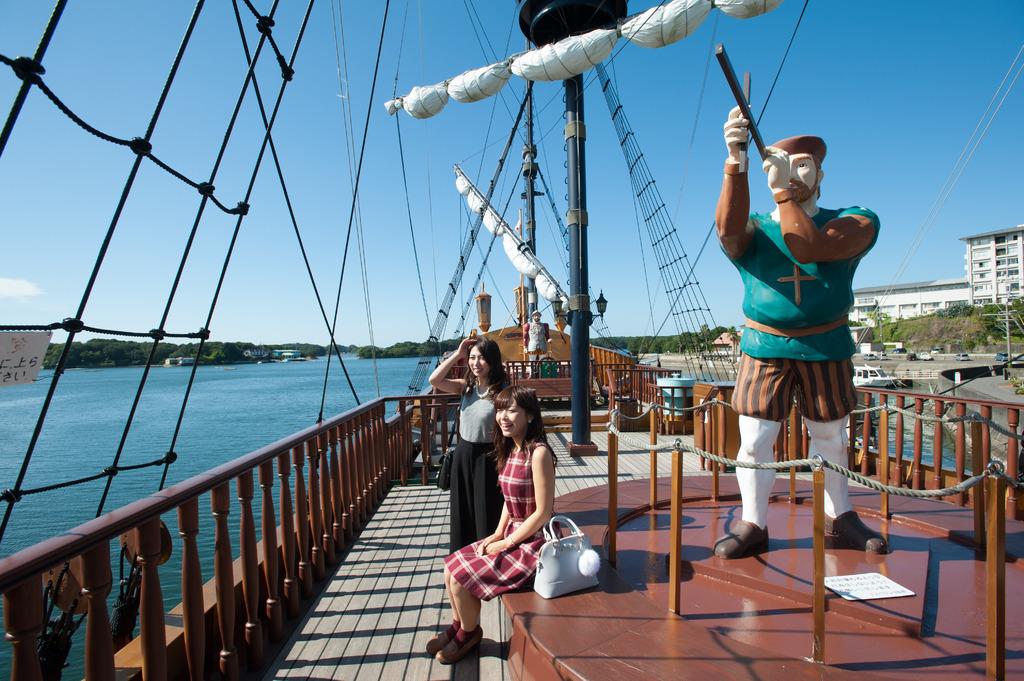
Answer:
(507, 559)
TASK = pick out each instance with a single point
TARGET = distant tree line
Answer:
(688, 341)
(103, 352)
(407, 349)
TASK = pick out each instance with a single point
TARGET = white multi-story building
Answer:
(900, 301)
(993, 265)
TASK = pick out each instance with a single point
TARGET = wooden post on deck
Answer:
(313, 517)
(301, 525)
(818, 648)
(1012, 454)
(795, 426)
(960, 449)
(675, 552)
(883, 453)
(337, 499)
(995, 580)
(654, 456)
(937, 433)
(917, 475)
(613, 490)
(326, 504)
(978, 492)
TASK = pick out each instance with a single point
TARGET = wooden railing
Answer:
(353, 459)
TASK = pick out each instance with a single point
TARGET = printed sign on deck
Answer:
(866, 587)
(21, 356)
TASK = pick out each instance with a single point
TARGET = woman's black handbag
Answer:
(444, 473)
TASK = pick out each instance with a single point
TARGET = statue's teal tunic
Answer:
(782, 293)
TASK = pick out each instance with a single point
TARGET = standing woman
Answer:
(506, 559)
(476, 499)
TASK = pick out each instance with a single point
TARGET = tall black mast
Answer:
(543, 22)
(529, 175)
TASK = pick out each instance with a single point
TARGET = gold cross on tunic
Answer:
(796, 279)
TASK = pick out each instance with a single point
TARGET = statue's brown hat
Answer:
(804, 144)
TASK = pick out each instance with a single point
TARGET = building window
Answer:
(1000, 251)
(1000, 239)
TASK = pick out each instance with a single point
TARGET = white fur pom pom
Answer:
(589, 563)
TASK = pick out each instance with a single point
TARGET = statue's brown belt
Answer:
(798, 333)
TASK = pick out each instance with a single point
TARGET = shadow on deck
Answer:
(386, 599)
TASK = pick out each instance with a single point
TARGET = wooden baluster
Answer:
(365, 472)
(23, 620)
(698, 428)
(865, 447)
(883, 452)
(960, 449)
(290, 588)
(301, 524)
(402, 450)
(917, 475)
(250, 572)
(314, 516)
(897, 472)
(270, 554)
(382, 446)
(374, 458)
(410, 407)
(1012, 458)
(360, 478)
(92, 571)
(326, 505)
(986, 438)
(348, 482)
(224, 581)
(151, 602)
(193, 609)
(937, 434)
(337, 498)
(424, 443)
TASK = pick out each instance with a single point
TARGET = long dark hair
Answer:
(496, 376)
(526, 399)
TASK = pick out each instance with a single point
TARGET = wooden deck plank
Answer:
(387, 599)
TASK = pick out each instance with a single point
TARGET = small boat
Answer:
(867, 376)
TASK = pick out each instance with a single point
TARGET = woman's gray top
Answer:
(476, 417)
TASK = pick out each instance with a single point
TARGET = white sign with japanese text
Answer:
(21, 356)
(866, 587)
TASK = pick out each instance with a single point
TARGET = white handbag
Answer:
(559, 570)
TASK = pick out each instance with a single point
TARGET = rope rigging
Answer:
(352, 209)
(688, 307)
(441, 319)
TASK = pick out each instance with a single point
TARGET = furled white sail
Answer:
(566, 58)
(472, 86)
(659, 26)
(666, 24)
(519, 252)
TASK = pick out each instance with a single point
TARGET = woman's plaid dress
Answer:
(488, 576)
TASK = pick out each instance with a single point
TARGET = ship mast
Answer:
(543, 22)
(529, 192)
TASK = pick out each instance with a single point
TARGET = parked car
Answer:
(869, 356)
(937, 350)
(911, 356)
(925, 356)
(899, 351)
(962, 357)
(1002, 357)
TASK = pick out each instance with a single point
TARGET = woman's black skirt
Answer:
(476, 499)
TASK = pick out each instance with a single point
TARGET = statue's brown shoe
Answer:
(435, 644)
(849, 531)
(453, 652)
(745, 539)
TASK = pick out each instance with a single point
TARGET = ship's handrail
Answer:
(44, 555)
(353, 459)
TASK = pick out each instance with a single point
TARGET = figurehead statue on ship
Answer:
(797, 264)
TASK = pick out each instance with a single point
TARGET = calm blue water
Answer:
(232, 411)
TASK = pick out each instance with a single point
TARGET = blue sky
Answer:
(894, 88)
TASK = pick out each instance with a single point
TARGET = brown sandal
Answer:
(451, 653)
